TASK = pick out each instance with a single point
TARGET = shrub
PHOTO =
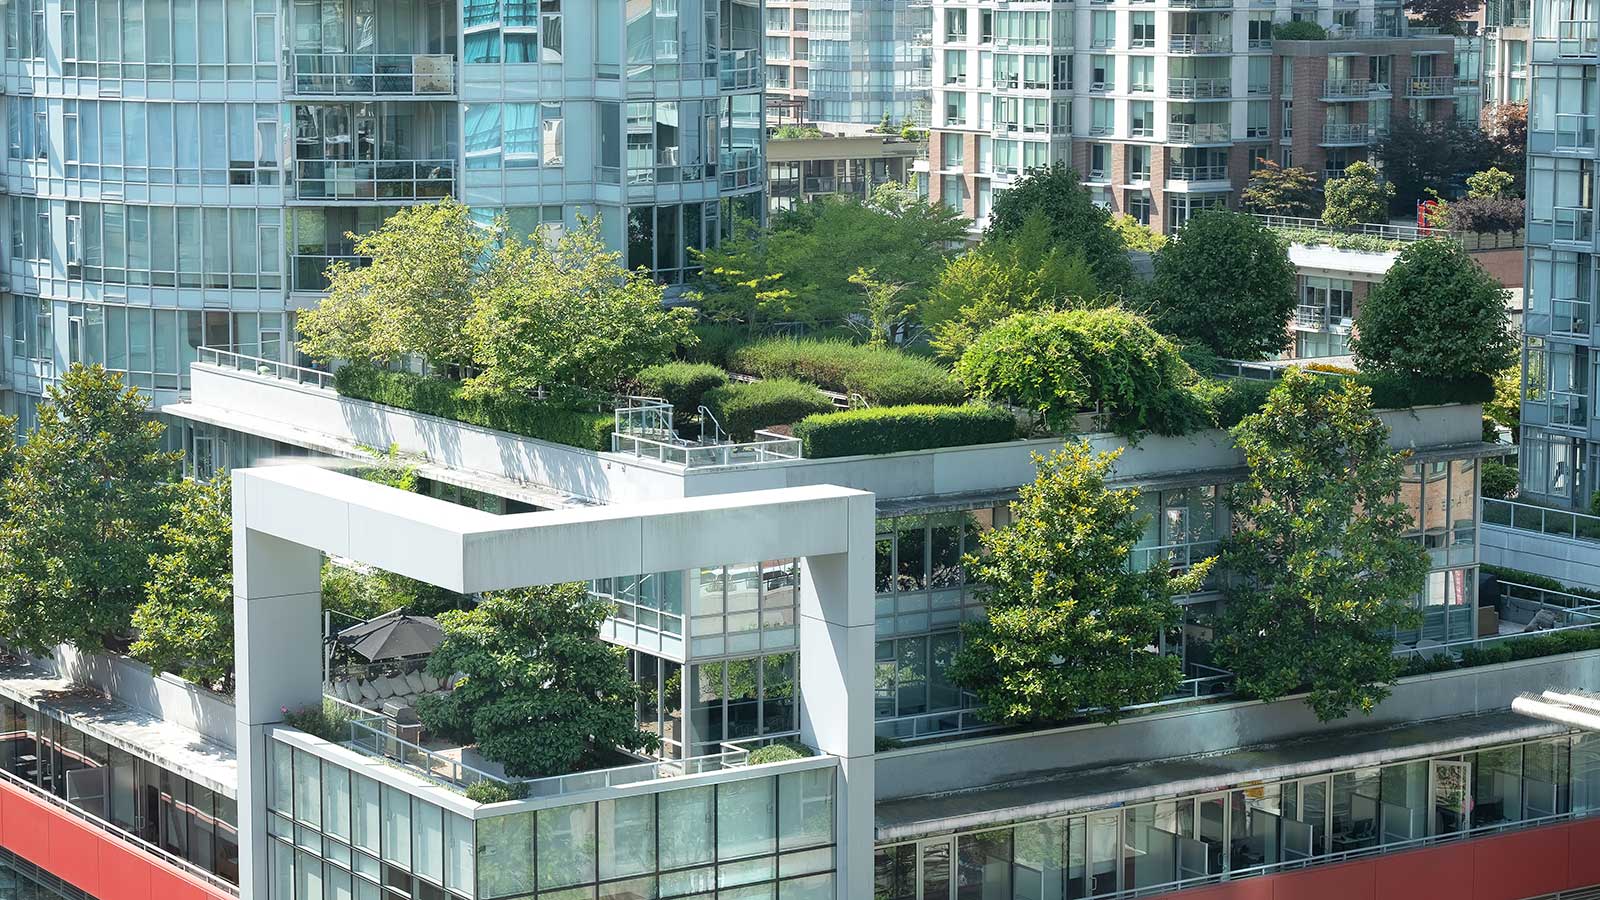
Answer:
(329, 721)
(443, 398)
(1485, 215)
(1403, 392)
(1239, 397)
(890, 429)
(741, 409)
(1367, 243)
(1534, 580)
(714, 342)
(782, 751)
(1302, 30)
(487, 791)
(1499, 480)
(884, 377)
(680, 383)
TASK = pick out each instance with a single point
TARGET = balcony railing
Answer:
(1577, 37)
(1573, 223)
(1316, 318)
(1202, 133)
(1574, 131)
(1200, 88)
(1197, 173)
(1352, 88)
(1570, 317)
(227, 359)
(1348, 133)
(356, 74)
(1200, 4)
(1562, 523)
(413, 179)
(308, 269)
(1201, 43)
(1390, 232)
(1431, 86)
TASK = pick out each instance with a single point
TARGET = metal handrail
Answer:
(769, 447)
(1454, 647)
(1541, 519)
(1203, 132)
(1200, 43)
(188, 868)
(1351, 132)
(227, 359)
(422, 74)
(374, 179)
(1431, 86)
(1376, 229)
(1200, 88)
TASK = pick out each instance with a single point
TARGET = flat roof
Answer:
(173, 747)
(1056, 792)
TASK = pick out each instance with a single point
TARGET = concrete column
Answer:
(836, 684)
(277, 631)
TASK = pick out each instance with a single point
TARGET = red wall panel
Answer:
(1501, 867)
(102, 865)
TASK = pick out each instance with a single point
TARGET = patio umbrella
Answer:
(393, 635)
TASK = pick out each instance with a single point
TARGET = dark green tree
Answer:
(1282, 191)
(1226, 282)
(1424, 158)
(1075, 222)
(1324, 574)
(82, 514)
(539, 691)
(1437, 314)
(185, 624)
(1070, 628)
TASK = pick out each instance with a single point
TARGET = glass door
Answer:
(933, 870)
(1451, 801)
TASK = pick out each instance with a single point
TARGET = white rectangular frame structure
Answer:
(286, 517)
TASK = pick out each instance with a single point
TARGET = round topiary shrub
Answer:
(743, 408)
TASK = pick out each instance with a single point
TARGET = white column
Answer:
(836, 683)
(277, 631)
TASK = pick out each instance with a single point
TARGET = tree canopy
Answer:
(1325, 574)
(1437, 314)
(1423, 159)
(185, 623)
(1075, 222)
(83, 512)
(1357, 198)
(539, 692)
(1276, 190)
(1505, 128)
(1070, 627)
(1226, 282)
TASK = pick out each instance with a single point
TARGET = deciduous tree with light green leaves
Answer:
(82, 514)
(1436, 314)
(568, 314)
(1226, 282)
(1071, 628)
(1324, 574)
(185, 624)
(539, 692)
(1075, 222)
(412, 296)
(1357, 198)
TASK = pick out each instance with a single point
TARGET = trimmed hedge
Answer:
(890, 429)
(783, 751)
(487, 791)
(1236, 398)
(680, 383)
(885, 377)
(742, 408)
(442, 397)
(714, 341)
(1534, 580)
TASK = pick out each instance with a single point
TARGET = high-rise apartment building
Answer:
(1506, 36)
(179, 173)
(1163, 107)
(848, 64)
(1559, 424)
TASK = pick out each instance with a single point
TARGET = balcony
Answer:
(1199, 133)
(1574, 224)
(373, 74)
(1575, 131)
(1335, 89)
(1577, 37)
(1200, 4)
(1349, 134)
(1201, 43)
(1200, 88)
(1431, 86)
(403, 179)
(1317, 318)
(1197, 173)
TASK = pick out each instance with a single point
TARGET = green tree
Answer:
(1075, 221)
(1491, 183)
(1425, 159)
(1276, 190)
(567, 314)
(413, 295)
(1136, 236)
(1357, 198)
(799, 269)
(1024, 272)
(1505, 128)
(1057, 364)
(1505, 409)
(1436, 314)
(82, 514)
(1226, 282)
(1070, 626)
(1324, 574)
(884, 307)
(185, 624)
(539, 691)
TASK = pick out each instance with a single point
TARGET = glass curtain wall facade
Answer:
(179, 173)
(869, 60)
(1558, 409)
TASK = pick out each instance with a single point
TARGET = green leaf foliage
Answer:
(82, 514)
(745, 407)
(1299, 30)
(1069, 625)
(185, 623)
(546, 421)
(1282, 191)
(680, 383)
(1326, 575)
(1498, 480)
(1022, 272)
(1357, 198)
(1110, 360)
(885, 377)
(1226, 282)
(568, 314)
(891, 429)
(487, 791)
(783, 751)
(539, 692)
(1136, 236)
(1436, 315)
(1075, 221)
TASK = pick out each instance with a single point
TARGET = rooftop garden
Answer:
(859, 327)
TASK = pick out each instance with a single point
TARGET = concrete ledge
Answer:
(1566, 560)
